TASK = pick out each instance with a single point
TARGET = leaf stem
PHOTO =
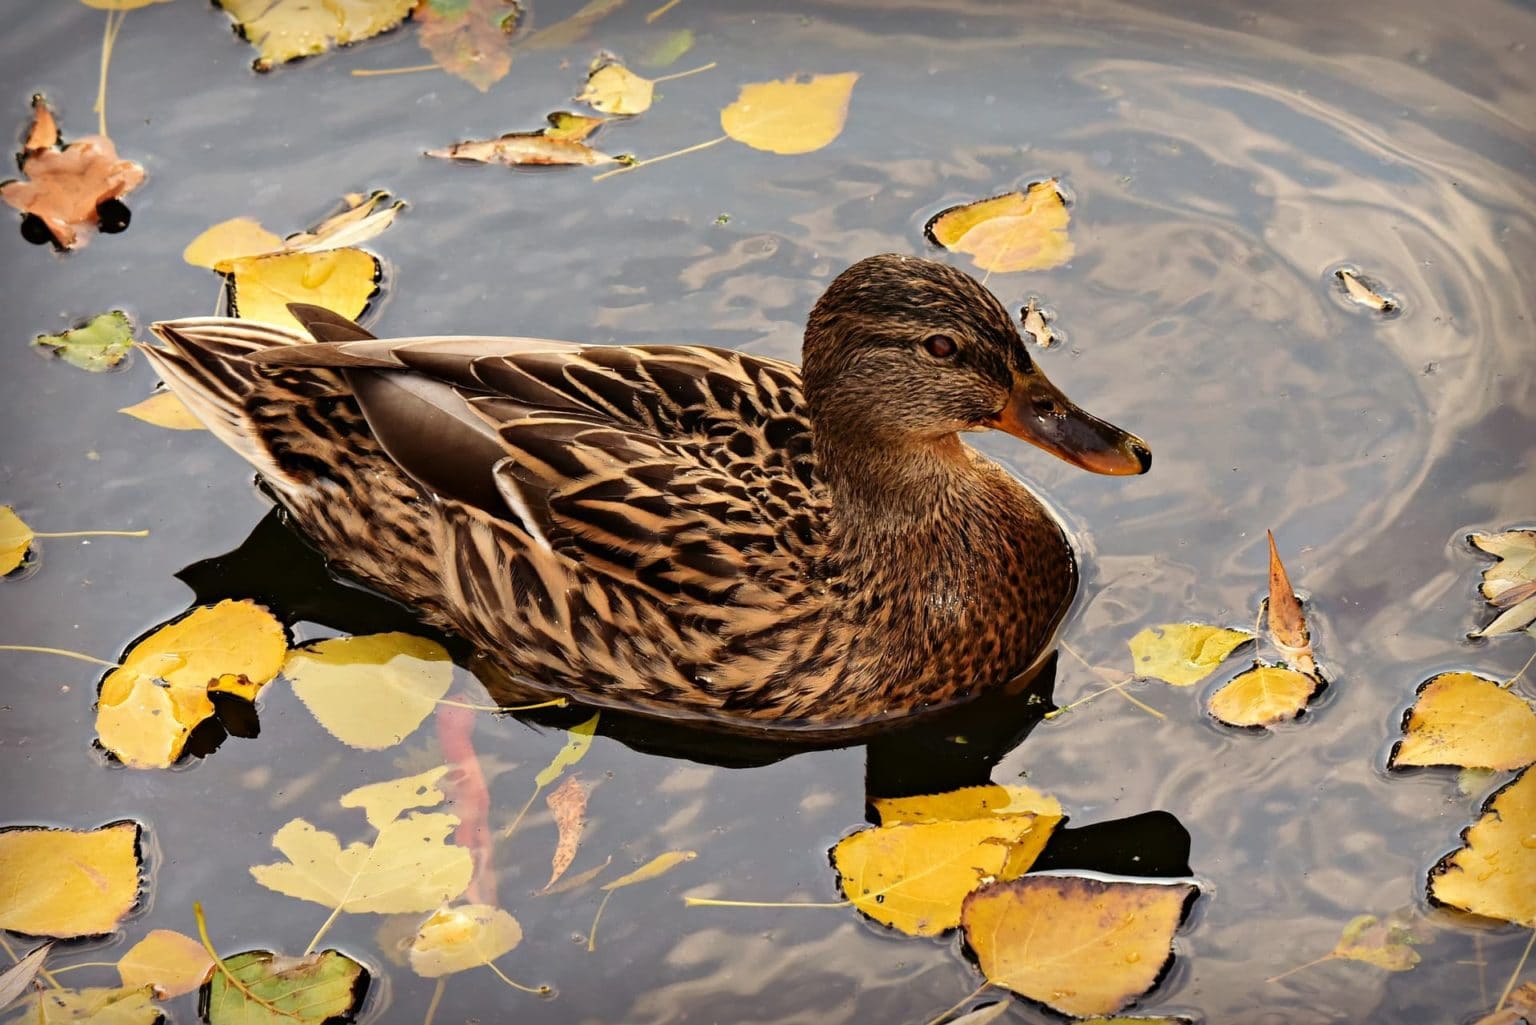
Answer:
(1113, 686)
(325, 926)
(1331, 955)
(37, 649)
(115, 19)
(710, 902)
(592, 932)
(1511, 682)
(663, 9)
(218, 962)
(1515, 975)
(521, 812)
(552, 703)
(375, 72)
(437, 998)
(656, 160)
(538, 991)
(91, 533)
(972, 995)
(682, 74)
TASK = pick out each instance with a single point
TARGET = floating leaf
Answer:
(341, 280)
(1183, 653)
(386, 801)
(1491, 874)
(1364, 292)
(230, 240)
(1263, 695)
(1386, 944)
(69, 189)
(469, 38)
(97, 1005)
(1518, 1007)
(98, 344)
(659, 865)
(165, 409)
(981, 802)
(66, 883)
(614, 89)
(1037, 325)
(1012, 232)
(790, 115)
(372, 691)
(15, 540)
(568, 804)
(17, 979)
(984, 1015)
(458, 939)
(277, 990)
(1287, 623)
(578, 740)
(170, 962)
(362, 217)
(1079, 946)
(524, 149)
(1467, 720)
(571, 127)
(914, 877)
(670, 50)
(1510, 583)
(285, 30)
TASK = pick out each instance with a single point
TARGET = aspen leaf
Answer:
(312, 990)
(614, 89)
(341, 280)
(659, 865)
(169, 961)
(229, 240)
(372, 691)
(469, 38)
(1510, 583)
(1262, 695)
(1012, 232)
(384, 802)
(1183, 653)
(98, 344)
(165, 409)
(1287, 623)
(460, 938)
(568, 804)
(578, 740)
(790, 115)
(285, 30)
(15, 540)
(67, 883)
(1079, 946)
(982, 802)
(1491, 873)
(96, 1005)
(914, 877)
(1466, 720)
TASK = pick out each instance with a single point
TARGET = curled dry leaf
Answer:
(15, 540)
(460, 938)
(1183, 653)
(99, 344)
(614, 89)
(1363, 291)
(1012, 232)
(1491, 873)
(1262, 696)
(98, 1005)
(540, 148)
(1287, 623)
(1037, 324)
(17, 979)
(165, 409)
(373, 691)
(1510, 583)
(324, 987)
(171, 962)
(469, 38)
(285, 30)
(70, 188)
(1467, 720)
(66, 883)
(790, 115)
(568, 804)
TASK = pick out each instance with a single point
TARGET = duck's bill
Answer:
(1039, 413)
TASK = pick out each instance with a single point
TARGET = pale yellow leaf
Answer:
(364, 218)
(459, 938)
(285, 30)
(1263, 695)
(97, 1005)
(658, 865)
(229, 240)
(1183, 653)
(171, 962)
(66, 883)
(1463, 719)
(341, 280)
(15, 540)
(1491, 874)
(578, 740)
(614, 89)
(1510, 583)
(1012, 232)
(371, 691)
(165, 409)
(384, 802)
(790, 115)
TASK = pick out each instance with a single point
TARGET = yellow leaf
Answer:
(981, 802)
(1466, 720)
(576, 744)
(141, 725)
(169, 961)
(1012, 232)
(460, 938)
(97, 1005)
(914, 877)
(1491, 875)
(790, 115)
(1079, 946)
(66, 883)
(341, 280)
(285, 30)
(1263, 695)
(1137, 1020)
(1287, 623)
(164, 409)
(571, 127)
(1510, 583)
(383, 803)
(410, 866)
(614, 89)
(1385, 944)
(373, 691)
(229, 240)
(658, 865)
(1183, 653)
(120, 5)
(15, 540)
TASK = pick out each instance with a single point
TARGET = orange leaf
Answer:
(1287, 623)
(568, 803)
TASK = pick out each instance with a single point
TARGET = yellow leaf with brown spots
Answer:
(1464, 719)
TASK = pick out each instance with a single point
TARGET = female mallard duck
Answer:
(690, 532)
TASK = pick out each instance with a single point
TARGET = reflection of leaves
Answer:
(171, 962)
(1466, 720)
(371, 692)
(98, 344)
(1012, 232)
(1510, 583)
(96, 1005)
(578, 740)
(1491, 874)
(789, 115)
(1183, 653)
(285, 30)
(15, 540)
(1386, 944)
(65, 883)
(469, 38)
(1263, 695)
(659, 865)
(165, 409)
(669, 50)
(460, 938)
(1080, 946)
(277, 990)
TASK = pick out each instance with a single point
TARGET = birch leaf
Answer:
(1470, 721)
(1012, 232)
(1491, 873)
(98, 344)
(988, 801)
(790, 115)
(614, 89)
(285, 30)
(15, 540)
(372, 691)
(1262, 696)
(1183, 653)
(341, 280)
(460, 938)
(229, 240)
(171, 962)
(67, 883)
(165, 409)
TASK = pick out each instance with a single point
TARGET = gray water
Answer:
(1223, 163)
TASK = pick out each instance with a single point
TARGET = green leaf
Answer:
(98, 344)
(277, 990)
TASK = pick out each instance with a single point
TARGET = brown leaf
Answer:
(470, 39)
(524, 149)
(568, 803)
(44, 133)
(1287, 623)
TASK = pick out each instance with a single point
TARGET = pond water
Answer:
(1222, 163)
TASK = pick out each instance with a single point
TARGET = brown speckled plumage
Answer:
(689, 532)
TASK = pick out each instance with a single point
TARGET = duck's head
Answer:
(903, 349)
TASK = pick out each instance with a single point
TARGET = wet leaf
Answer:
(670, 50)
(1519, 1006)
(277, 990)
(469, 38)
(1287, 623)
(285, 30)
(1466, 720)
(149, 705)
(170, 962)
(571, 127)
(372, 691)
(991, 800)
(1037, 325)
(1012, 232)
(914, 877)
(164, 409)
(572, 29)
(66, 883)
(65, 186)
(568, 804)
(525, 149)
(578, 740)
(230, 240)
(362, 217)
(15, 540)
(1262, 696)
(1183, 653)
(341, 280)
(98, 344)
(1510, 583)
(1491, 874)
(458, 939)
(1364, 292)
(790, 115)
(1079, 946)
(657, 866)
(386, 801)
(97, 1005)
(983, 1015)
(1386, 944)
(614, 89)
(18, 977)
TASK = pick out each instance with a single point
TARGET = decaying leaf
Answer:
(1467, 720)
(341, 280)
(15, 540)
(1012, 232)
(164, 409)
(98, 344)
(1079, 946)
(1491, 874)
(1037, 324)
(17, 979)
(1183, 653)
(614, 89)
(469, 38)
(1384, 943)
(1518, 1007)
(1287, 623)
(95, 1005)
(568, 804)
(387, 800)
(70, 188)
(790, 115)
(1363, 291)
(372, 691)
(285, 30)
(1262, 696)
(542, 148)
(65, 883)
(171, 962)
(229, 240)
(275, 990)
(1510, 583)
(460, 938)
(578, 740)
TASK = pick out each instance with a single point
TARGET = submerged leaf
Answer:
(578, 740)
(1510, 583)
(275, 990)
(1287, 623)
(1037, 325)
(568, 804)
(372, 691)
(469, 38)
(1262, 696)
(285, 30)
(1467, 720)
(96, 1005)
(1491, 874)
(460, 938)
(386, 801)
(66, 883)
(98, 344)
(169, 961)
(669, 50)
(1386, 944)
(15, 540)
(614, 89)
(572, 29)
(165, 409)
(790, 115)
(1012, 232)
(341, 280)
(1183, 653)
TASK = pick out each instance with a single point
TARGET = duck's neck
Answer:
(897, 486)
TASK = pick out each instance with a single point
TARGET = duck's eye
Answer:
(940, 346)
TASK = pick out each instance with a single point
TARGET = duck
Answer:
(689, 533)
